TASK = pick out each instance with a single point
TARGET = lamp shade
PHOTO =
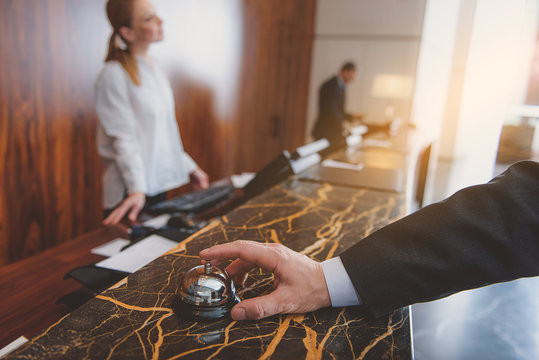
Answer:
(392, 86)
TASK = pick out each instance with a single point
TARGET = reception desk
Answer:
(136, 317)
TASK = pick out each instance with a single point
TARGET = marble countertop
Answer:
(136, 319)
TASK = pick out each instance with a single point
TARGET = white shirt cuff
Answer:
(340, 287)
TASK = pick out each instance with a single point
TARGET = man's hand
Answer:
(199, 179)
(132, 204)
(299, 281)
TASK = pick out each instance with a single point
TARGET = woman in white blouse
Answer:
(138, 137)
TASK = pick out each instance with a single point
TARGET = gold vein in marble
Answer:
(220, 345)
(332, 232)
(160, 337)
(49, 328)
(181, 247)
(274, 237)
(281, 330)
(133, 307)
(320, 244)
(226, 341)
(389, 331)
(260, 283)
(312, 203)
(315, 350)
(171, 271)
(157, 345)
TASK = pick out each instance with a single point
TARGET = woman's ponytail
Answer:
(120, 13)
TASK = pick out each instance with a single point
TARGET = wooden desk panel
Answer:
(30, 288)
(136, 319)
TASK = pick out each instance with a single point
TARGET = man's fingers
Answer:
(239, 266)
(257, 308)
(239, 270)
(253, 252)
(240, 279)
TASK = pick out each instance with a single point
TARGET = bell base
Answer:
(205, 313)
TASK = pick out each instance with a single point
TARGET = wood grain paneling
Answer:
(50, 54)
(50, 181)
(275, 78)
(202, 134)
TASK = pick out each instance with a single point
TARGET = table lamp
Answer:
(392, 87)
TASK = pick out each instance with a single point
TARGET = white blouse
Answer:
(138, 136)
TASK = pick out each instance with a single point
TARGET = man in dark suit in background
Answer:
(481, 235)
(331, 101)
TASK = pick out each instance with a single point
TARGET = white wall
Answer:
(442, 58)
(370, 17)
(213, 55)
(493, 41)
(439, 43)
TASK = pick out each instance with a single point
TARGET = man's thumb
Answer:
(257, 308)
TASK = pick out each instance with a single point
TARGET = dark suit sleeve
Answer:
(481, 235)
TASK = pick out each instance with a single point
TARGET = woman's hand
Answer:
(132, 204)
(300, 285)
(199, 179)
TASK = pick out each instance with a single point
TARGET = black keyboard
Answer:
(194, 201)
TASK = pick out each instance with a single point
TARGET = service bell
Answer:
(206, 292)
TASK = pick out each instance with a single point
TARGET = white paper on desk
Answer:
(329, 163)
(240, 181)
(12, 346)
(304, 163)
(139, 254)
(110, 248)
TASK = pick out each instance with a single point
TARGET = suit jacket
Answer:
(331, 114)
(481, 235)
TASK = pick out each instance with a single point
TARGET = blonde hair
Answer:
(120, 13)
